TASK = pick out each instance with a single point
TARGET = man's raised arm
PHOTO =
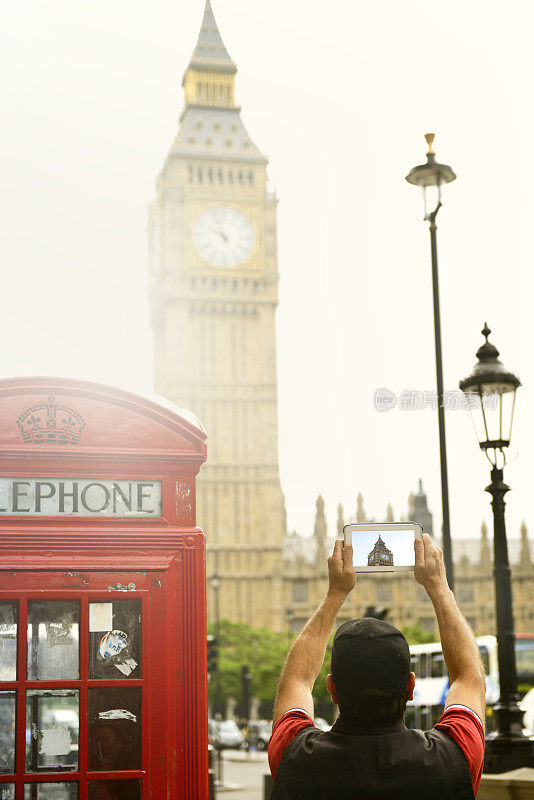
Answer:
(305, 658)
(460, 650)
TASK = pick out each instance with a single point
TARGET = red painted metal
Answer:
(117, 435)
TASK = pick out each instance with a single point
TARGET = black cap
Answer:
(369, 653)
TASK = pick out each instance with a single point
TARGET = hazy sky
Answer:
(338, 95)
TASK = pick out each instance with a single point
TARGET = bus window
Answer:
(436, 712)
(409, 719)
(424, 671)
(415, 664)
(485, 659)
(426, 718)
(524, 656)
(437, 667)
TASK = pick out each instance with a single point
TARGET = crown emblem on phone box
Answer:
(50, 422)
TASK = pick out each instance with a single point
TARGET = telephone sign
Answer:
(102, 497)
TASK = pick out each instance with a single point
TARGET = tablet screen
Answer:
(383, 548)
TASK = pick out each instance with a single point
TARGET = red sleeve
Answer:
(284, 732)
(464, 726)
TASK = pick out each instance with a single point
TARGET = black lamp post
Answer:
(491, 390)
(431, 177)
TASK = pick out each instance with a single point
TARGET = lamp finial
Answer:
(429, 138)
(485, 331)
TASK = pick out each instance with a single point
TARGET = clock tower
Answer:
(213, 296)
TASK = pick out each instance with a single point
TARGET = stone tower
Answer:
(213, 294)
(320, 532)
(380, 555)
(419, 510)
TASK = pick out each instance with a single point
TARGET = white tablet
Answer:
(383, 546)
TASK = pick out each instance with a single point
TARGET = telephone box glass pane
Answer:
(8, 641)
(53, 641)
(114, 790)
(7, 732)
(114, 728)
(51, 791)
(7, 791)
(114, 639)
(52, 724)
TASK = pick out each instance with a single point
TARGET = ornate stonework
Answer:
(213, 294)
(380, 556)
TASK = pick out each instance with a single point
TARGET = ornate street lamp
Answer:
(431, 177)
(491, 391)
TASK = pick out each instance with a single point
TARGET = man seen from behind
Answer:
(370, 754)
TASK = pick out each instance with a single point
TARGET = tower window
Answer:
(234, 128)
(200, 175)
(190, 172)
(228, 142)
(299, 591)
(209, 142)
(220, 176)
(199, 125)
(383, 593)
(230, 177)
(240, 177)
(216, 127)
(251, 178)
(210, 175)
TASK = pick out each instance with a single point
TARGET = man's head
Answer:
(370, 676)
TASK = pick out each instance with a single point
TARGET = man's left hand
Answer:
(341, 575)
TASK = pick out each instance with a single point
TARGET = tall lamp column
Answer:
(490, 390)
(430, 177)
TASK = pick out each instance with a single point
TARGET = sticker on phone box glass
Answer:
(112, 643)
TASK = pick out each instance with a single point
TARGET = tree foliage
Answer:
(264, 653)
(261, 650)
(415, 634)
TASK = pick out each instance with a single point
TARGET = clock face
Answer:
(224, 236)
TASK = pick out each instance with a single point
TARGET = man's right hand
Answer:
(429, 565)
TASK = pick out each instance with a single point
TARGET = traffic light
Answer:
(213, 653)
(376, 613)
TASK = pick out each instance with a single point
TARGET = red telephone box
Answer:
(103, 684)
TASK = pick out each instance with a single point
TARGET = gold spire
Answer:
(429, 137)
(209, 80)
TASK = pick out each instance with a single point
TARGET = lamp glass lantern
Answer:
(215, 582)
(431, 177)
(490, 391)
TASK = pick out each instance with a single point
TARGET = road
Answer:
(245, 771)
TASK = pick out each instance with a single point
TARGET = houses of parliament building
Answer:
(212, 231)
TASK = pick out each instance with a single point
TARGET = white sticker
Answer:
(127, 666)
(55, 742)
(112, 643)
(118, 713)
(100, 617)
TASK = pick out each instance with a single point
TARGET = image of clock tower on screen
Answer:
(380, 555)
